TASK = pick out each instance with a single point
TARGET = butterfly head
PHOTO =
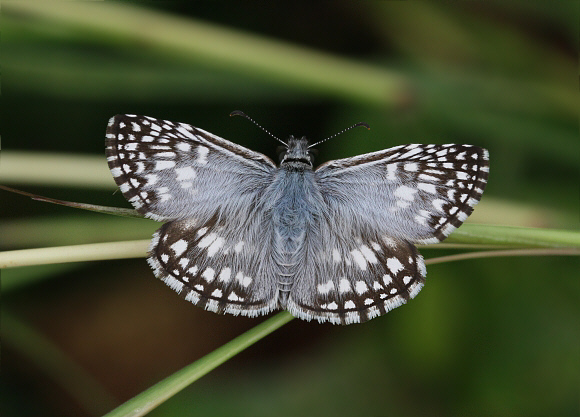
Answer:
(297, 153)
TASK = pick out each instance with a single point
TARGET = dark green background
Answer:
(485, 337)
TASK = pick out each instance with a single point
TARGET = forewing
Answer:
(418, 193)
(173, 170)
(224, 267)
(356, 278)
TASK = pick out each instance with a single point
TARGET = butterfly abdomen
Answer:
(295, 213)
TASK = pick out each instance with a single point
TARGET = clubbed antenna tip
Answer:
(359, 124)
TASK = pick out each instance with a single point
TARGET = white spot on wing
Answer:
(438, 204)
(360, 287)
(185, 173)
(359, 259)
(243, 280)
(202, 153)
(368, 254)
(208, 240)
(387, 279)
(159, 165)
(430, 188)
(325, 288)
(462, 175)
(344, 286)
(411, 152)
(406, 193)
(225, 275)
(183, 146)
(185, 132)
(391, 170)
(208, 274)
(238, 247)
(215, 246)
(394, 265)
(179, 247)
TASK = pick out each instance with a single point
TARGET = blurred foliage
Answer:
(485, 337)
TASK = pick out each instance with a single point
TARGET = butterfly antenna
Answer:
(363, 124)
(241, 113)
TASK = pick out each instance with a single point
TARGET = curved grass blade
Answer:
(165, 389)
(118, 211)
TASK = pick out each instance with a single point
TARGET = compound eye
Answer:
(313, 154)
(281, 151)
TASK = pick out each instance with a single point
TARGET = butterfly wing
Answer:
(195, 180)
(356, 278)
(222, 267)
(173, 170)
(364, 262)
(419, 193)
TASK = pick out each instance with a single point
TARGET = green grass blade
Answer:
(76, 253)
(515, 236)
(213, 46)
(117, 211)
(55, 169)
(160, 392)
(469, 233)
(504, 252)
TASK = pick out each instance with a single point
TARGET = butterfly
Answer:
(244, 236)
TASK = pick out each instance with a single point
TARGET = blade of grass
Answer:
(117, 211)
(165, 389)
(506, 252)
(56, 169)
(469, 233)
(160, 392)
(201, 43)
(76, 253)
(520, 236)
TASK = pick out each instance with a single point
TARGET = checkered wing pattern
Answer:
(220, 266)
(419, 193)
(171, 171)
(357, 279)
